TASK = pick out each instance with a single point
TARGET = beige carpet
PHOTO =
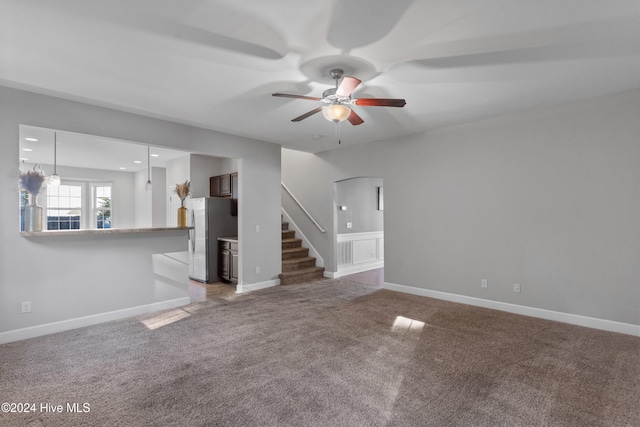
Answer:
(328, 353)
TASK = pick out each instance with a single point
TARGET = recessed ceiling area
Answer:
(89, 151)
(215, 64)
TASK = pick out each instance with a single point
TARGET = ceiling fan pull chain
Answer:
(338, 132)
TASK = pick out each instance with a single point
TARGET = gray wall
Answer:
(360, 196)
(143, 200)
(70, 277)
(201, 169)
(158, 197)
(549, 199)
(178, 170)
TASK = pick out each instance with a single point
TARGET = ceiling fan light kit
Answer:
(339, 99)
(336, 112)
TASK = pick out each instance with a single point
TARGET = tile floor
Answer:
(202, 292)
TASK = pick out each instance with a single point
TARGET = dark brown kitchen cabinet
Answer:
(220, 186)
(234, 267)
(234, 194)
(214, 186)
(228, 261)
(225, 186)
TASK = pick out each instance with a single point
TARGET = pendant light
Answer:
(54, 180)
(147, 185)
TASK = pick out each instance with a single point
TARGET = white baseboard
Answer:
(240, 289)
(573, 319)
(80, 322)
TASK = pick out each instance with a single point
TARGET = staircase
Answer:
(297, 265)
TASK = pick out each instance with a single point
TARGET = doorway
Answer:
(359, 225)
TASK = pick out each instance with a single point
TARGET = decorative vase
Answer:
(32, 216)
(182, 217)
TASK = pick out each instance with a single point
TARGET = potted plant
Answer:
(182, 190)
(32, 182)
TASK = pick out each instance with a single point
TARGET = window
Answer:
(64, 207)
(101, 205)
(74, 205)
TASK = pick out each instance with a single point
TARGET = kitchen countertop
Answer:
(103, 231)
(228, 239)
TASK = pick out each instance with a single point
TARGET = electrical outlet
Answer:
(484, 283)
(516, 288)
(257, 270)
(26, 306)
(349, 225)
(257, 228)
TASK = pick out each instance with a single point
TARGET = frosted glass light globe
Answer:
(336, 113)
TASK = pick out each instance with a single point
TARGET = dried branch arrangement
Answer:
(32, 180)
(183, 190)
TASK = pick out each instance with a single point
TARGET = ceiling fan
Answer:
(339, 99)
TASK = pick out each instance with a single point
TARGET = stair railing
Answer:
(295, 199)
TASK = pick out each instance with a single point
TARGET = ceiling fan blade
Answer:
(305, 115)
(380, 102)
(347, 86)
(287, 95)
(355, 119)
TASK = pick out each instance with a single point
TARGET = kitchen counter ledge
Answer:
(57, 233)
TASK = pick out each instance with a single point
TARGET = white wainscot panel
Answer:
(360, 252)
(364, 250)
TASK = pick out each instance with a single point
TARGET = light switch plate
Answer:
(26, 307)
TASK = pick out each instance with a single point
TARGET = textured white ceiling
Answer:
(89, 151)
(215, 64)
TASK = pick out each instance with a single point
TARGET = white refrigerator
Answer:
(210, 218)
